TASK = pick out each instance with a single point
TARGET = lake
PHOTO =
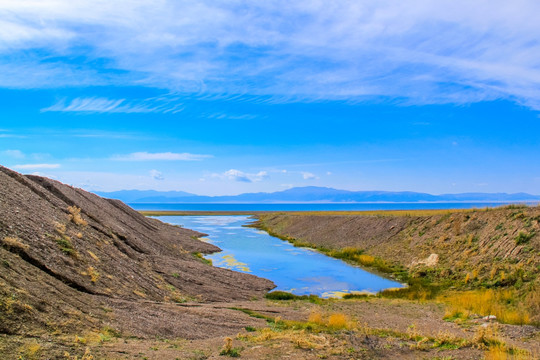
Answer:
(316, 206)
(300, 271)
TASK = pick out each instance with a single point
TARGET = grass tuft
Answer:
(75, 216)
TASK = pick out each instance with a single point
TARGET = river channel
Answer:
(301, 271)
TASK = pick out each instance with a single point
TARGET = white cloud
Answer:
(17, 154)
(308, 176)
(237, 175)
(448, 51)
(36, 166)
(104, 105)
(11, 136)
(166, 156)
(156, 175)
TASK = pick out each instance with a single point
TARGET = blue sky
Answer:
(216, 97)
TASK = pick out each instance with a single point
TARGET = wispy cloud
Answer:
(165, 156)
(36, 166)
(12, 136)
(237, 175)
(104, 105)
(16, 154)
(308, 176)
(449, 51)
(156, 175)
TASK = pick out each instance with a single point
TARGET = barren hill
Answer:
(73, 261)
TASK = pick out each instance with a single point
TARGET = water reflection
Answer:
(301, 271)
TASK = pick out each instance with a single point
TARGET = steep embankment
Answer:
(493, 248)
(71, 261)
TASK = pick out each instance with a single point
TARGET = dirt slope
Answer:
(65, 270)
(494, 248)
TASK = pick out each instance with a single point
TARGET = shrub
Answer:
(228, 350)
(337, 321)
(524, 238)
(280, 295)
(75, 216)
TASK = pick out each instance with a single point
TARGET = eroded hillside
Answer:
(71, 261)
(490, 248)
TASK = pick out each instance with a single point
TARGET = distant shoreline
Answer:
(261, 208)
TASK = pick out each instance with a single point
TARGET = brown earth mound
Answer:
(490, 248)
(71, 261)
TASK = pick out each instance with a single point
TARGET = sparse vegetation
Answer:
(75, 216)
(92, 273)
(200, 257)
(503, 304)
(14, 243)
(283, 295)
(524, 238)
(228, 349)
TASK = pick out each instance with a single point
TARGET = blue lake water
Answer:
(317, 206)
(301, 271)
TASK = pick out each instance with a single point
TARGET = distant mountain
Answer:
(310, 194)
(142, 196)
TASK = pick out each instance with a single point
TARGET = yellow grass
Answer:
(484, 303)
(14, 242)
(316, 318)
(334, 321)
(337, 321)
(94, 256)
(502, 352)
(366, 260)
(75, 216)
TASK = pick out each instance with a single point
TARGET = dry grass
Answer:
(484, 303)
(14, 243)
(299, 338)
(60, 228)
(75, 216)
(139, 293)
(86, 356)
(337, 321)
(366, 260)
(502, 352)
(94, 275)
(418, 213)
(334, 321)
(316, 318)
(92, 255)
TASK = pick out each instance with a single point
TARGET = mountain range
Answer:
(312, 194)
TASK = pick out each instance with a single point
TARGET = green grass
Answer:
(65, 245)
(524, 238)
(283, 295)
(200, 257)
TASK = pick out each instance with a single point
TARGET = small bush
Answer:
(283, 295)
(75, 216)
(280, 295)
(228, 350)
(524, 238)
(316, 318)
(356, 296)
(337, 321)
(200, 257)
(65, 245)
